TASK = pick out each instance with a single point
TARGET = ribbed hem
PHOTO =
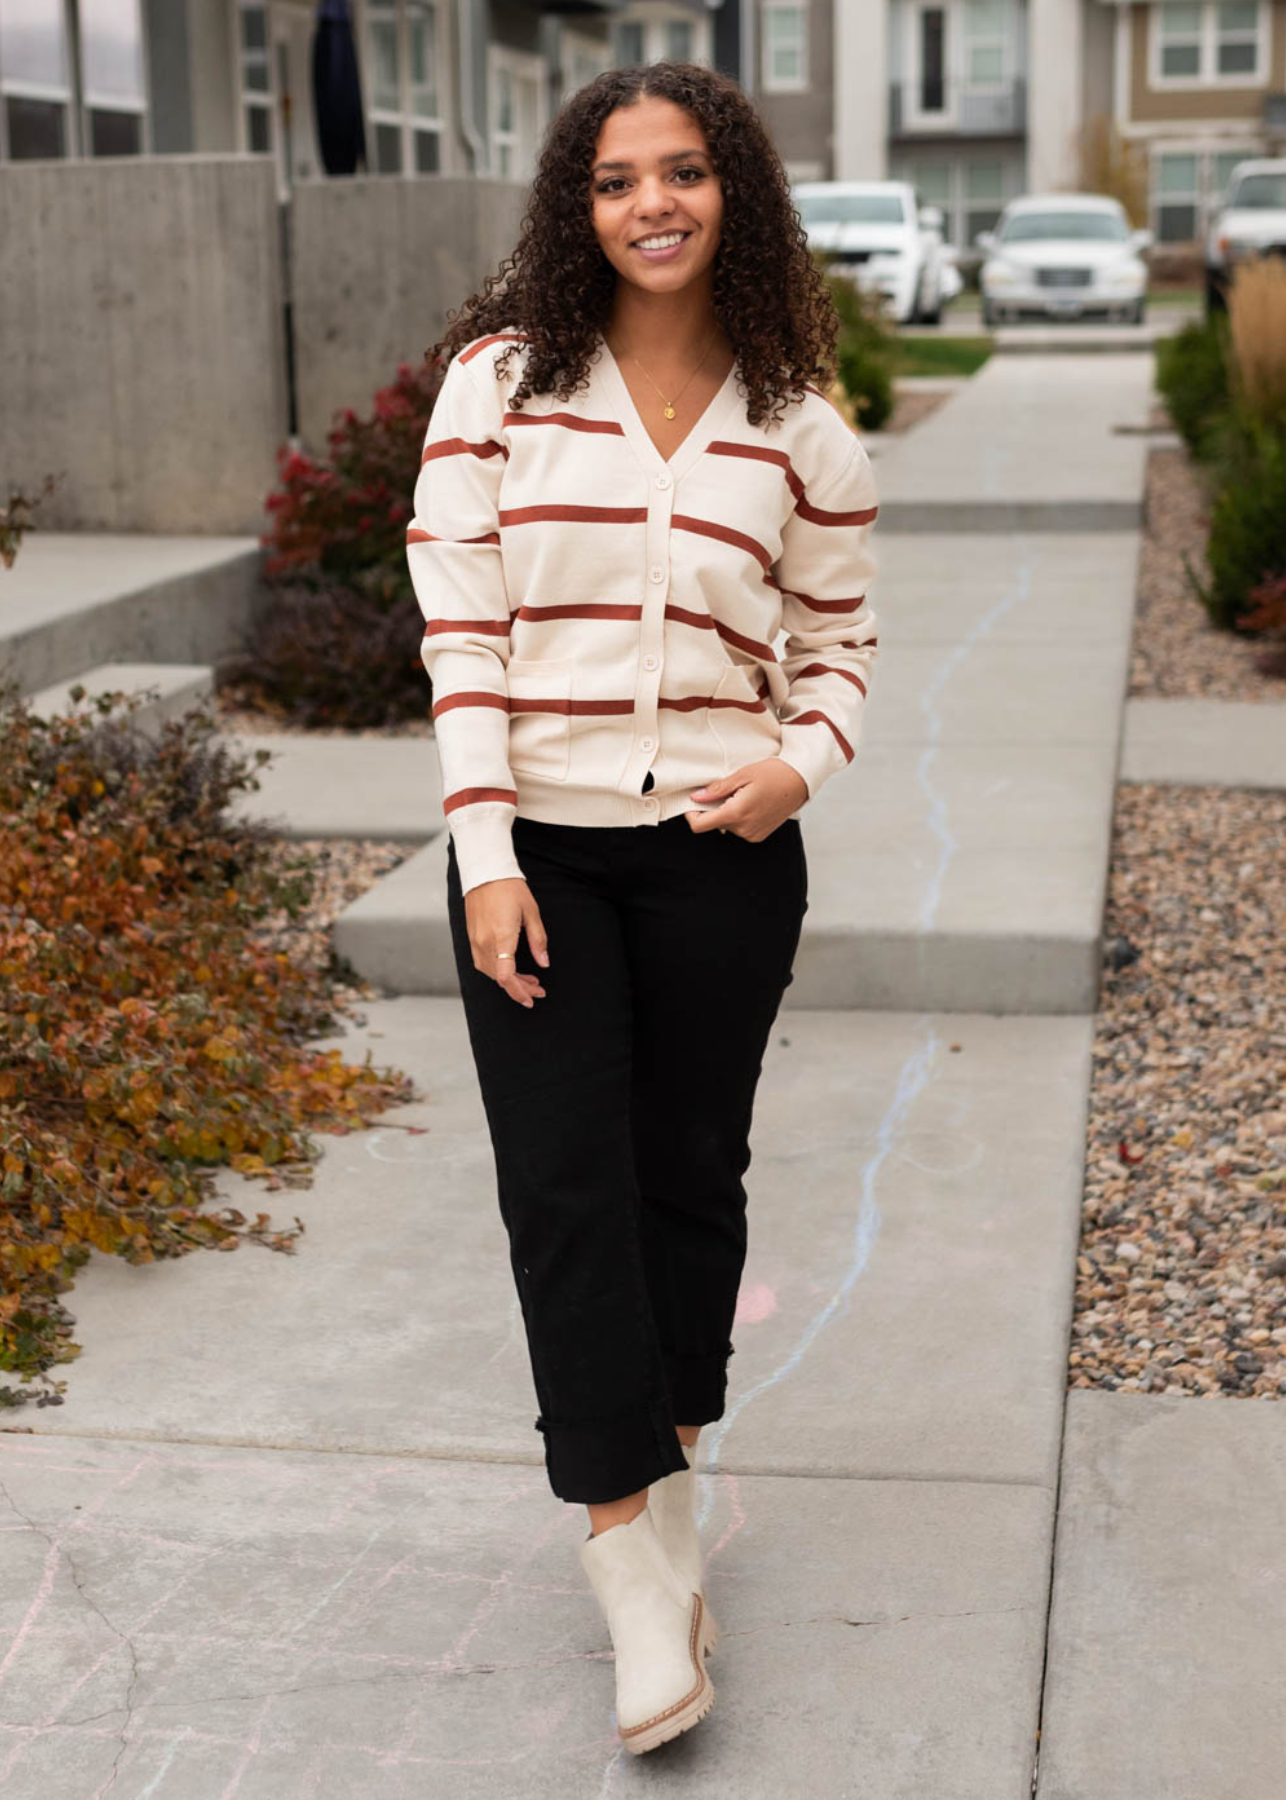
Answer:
(483, 838)
(606, 1459)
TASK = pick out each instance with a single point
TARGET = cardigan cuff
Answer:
(483, 839)
(809, 753)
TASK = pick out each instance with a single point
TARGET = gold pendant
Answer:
(669, 412)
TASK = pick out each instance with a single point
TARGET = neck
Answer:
(671, 329)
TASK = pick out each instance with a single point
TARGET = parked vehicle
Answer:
(874, 234)
(1063, 256)
(1251, 222)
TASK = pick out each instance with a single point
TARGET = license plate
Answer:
(1061, 305)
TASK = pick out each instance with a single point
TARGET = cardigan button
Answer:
(663, 481)
(657, 574)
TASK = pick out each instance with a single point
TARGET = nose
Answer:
(652, 196)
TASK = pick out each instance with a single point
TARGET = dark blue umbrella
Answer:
(337, 91)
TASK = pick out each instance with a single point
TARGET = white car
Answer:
(1251, 222)
(874, 234)
(1063, 256)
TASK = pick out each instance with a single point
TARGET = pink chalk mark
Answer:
(755, 1304)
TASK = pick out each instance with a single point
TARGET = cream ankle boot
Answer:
(655, 1623)
(673, 1503)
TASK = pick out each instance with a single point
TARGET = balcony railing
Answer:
(929, 108)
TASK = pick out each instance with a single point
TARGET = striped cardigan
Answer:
(597, 614)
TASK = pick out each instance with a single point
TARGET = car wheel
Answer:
(989, 315)
(1139, 313)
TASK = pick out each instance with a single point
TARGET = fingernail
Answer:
(542, 957)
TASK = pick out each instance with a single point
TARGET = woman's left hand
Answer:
(757, 798)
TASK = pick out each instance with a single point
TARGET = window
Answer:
(1188, 188)
(678, 40)
(111, 66)
(933, 41)
(35, 78)
(1202, 43)
(516, 80)
(986, 42)
(1177, 189)
(984, 196)
(784, 49)
(404, 90)
(628, 36)
(256, 78)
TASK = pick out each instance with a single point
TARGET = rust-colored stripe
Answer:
(488, 627)
(703, 622)
(852, 644)
(828, 606)
(577, 709)
(724, 534)
(416, 534)
(497, 337)
(570, 421)
(830, 669)
(817, 515)
(760, 453)
(692, 702)
(581, 515)
(469, 697)
(461, 447)
(474, 797)
(589, 609)
(819, 718)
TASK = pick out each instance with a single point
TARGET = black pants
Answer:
(619, 1109)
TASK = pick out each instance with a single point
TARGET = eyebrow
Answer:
(672, 157)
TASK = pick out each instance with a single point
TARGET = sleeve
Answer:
(824, 569)
(453, 551)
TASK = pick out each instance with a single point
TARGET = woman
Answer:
(632, 482)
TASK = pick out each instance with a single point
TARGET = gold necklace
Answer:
(669, 404)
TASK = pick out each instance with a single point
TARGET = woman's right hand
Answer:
(496, 912)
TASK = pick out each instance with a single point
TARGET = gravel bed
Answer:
(1181, 1277)
(1178, 654)
(345, 869)
(240, 707)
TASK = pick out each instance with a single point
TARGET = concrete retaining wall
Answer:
(377, 264)
(142, 347)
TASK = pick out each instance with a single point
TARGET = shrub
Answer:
(15, 518)
(339, 644)
(1257, 325)
(1192, 374)
(148, 1031)
(867, 352)
(1267, 616)
(1247, 546)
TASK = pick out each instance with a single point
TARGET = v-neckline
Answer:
(637, 432)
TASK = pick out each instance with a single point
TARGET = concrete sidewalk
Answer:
(297, 1501)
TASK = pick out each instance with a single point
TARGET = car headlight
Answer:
(1122, 275)
(1003, 274)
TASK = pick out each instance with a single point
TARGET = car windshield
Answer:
(1263, 190)
(1100, 227)
(851, 209)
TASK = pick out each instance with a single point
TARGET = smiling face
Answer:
(653, 181)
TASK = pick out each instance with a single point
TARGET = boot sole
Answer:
(692, 1708)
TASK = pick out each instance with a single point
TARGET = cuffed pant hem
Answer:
(698, 1386)
(602, 1460)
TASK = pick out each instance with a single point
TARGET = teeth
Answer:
(660, 243)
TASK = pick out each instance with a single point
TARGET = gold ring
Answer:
(508, 953)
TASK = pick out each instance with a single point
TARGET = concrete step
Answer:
(73, 600)
(1168, 1631)
(1205, 743)
(960, 864)
(1028, 445)
(176, 687)
(339, 785)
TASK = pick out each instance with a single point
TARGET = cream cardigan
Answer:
(595, 611)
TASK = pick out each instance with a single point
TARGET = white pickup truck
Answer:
(1251, 222)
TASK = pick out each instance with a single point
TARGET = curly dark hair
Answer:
(557, 287)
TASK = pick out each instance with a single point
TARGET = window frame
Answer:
(75, 98)
(404, 119)
(1208, 42)
(1207, 196)
(770, 81)
(520, 65)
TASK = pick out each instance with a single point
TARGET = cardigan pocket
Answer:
(539, 717)
(742, 721)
